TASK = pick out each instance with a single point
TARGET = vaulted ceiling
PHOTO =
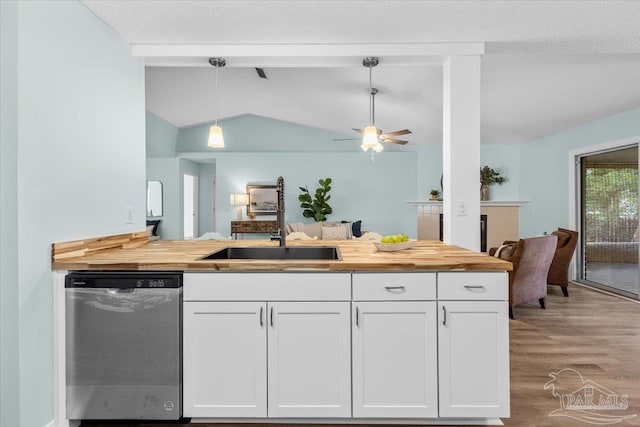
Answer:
(548, 65)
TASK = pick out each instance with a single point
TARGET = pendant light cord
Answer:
(217, 95)
(371, 119)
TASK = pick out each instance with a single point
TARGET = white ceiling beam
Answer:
(303, 55)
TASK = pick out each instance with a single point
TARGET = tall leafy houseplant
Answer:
(488, 177)
(316, 207)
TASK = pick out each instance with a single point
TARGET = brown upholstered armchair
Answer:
(559, 270)
(531, 260)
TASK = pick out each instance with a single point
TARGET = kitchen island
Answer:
(414, 336)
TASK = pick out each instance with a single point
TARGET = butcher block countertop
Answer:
(133, 252)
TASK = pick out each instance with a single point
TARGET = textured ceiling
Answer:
(548, 65)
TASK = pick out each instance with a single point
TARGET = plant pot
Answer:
(484, 193)
(434, 197)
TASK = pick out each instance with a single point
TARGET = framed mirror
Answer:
(154, 198)
(263, 200)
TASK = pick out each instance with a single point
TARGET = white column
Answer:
(461, 152)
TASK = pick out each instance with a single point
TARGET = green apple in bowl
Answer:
(396, 238)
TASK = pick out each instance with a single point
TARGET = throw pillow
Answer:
(313, 229)
(356, 228)
(155, 223)
(334, 233)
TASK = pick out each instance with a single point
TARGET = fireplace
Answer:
(483, 232)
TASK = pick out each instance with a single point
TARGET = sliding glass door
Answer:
(609, 235)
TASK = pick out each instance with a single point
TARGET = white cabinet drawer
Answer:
(492, 286)
(267, 287)
(394, 286)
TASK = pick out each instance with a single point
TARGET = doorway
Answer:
(608, 202)
(190, 206)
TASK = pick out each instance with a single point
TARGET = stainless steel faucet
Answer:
(281, 234)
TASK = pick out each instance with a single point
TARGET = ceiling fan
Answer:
(372, 137)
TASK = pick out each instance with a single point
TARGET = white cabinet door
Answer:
(474, 358)
(225, 365)
(395, 361)
(309, 359)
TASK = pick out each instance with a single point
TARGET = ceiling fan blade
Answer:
(357, 130)
(398, 132)
(394, 141)
(346, 139)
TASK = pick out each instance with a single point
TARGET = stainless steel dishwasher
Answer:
(123, 345)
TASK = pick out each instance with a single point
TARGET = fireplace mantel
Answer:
(517, 203)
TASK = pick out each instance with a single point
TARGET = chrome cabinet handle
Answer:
(444, 320)
(474, 286)
(395, 288)
(261, 317)
(357, 317)
(271, 317)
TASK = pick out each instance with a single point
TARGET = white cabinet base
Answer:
(309, 357)
(395, 359)
(225, 343)
(473, 353)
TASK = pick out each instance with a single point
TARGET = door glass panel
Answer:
(610, 220)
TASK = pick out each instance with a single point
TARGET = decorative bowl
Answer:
(392, 247)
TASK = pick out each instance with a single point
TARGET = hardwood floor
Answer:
(594, 333)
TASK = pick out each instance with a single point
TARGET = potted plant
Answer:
(434, 194)
(488, 177)
(316, 207)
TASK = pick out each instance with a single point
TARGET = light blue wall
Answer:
(9, 312)
(374, 192)
(80, 154)
(544, 173)
(167, 171)
(429, 170)
(506, 160)
(536, 171)
(259, 149)
(161, 136)
(206, 211)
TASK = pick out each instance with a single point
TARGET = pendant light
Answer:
(216, 139)
(370, 134)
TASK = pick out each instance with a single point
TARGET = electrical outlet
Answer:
(128, 215)
(461, 208)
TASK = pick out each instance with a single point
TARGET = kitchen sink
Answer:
(270, 252)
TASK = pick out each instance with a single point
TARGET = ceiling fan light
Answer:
(378, 148)
(216, 140)
(369, 138)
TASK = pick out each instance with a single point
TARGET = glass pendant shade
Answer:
(378, 147)
(370, 138)
(216, 140)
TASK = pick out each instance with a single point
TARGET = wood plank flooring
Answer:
(592, 332)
